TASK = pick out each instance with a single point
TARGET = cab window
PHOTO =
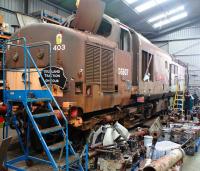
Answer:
(124, 40)
(147, 65)
(105, 28)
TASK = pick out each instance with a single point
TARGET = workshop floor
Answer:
(191, 163)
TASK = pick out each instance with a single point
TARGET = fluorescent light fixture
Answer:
(149, 4)
(170, 20)
(166, 14)
(131, 1)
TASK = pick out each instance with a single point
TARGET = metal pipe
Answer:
(166, 162)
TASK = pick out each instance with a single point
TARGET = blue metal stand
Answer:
(27, 98)
(197, 144)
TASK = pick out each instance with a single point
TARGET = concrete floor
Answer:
(191, 163)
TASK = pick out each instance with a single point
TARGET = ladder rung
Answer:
(38, 99)
(178, 109)
(41, 115)
(52, 129)
(56, 146)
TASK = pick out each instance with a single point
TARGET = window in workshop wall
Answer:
(175, 69)
(147, 65)
(172, 69)
(124, 40)
(166, 65)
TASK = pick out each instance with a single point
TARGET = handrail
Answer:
(37, 44)
(30, 56)
(66, 122)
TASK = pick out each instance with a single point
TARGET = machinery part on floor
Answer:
(112, 144)
(108, 135)
(122, 131)
(166, 162)
(3, 151)
(28, 98)
(179, 99)
(156, 128)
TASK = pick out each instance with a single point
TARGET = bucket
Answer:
(148, 140)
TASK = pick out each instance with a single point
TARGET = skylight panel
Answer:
(171, 19)
(166, 14)
(131, 1)
(148, 5)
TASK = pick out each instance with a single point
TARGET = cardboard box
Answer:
(1, 19)
(5, 27)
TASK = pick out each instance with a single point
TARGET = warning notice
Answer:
(55, 74)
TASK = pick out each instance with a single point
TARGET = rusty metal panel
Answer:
(107, 70)
(13, 5)
(89, 20)
(92, 64)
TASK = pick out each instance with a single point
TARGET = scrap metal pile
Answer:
(154, 147)
(115, 148)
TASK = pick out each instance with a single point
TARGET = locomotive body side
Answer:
(158, 83)
(99, 74)
(102, 70)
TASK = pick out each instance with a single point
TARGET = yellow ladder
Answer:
(179, 99)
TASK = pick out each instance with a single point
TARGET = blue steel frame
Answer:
(11, 96)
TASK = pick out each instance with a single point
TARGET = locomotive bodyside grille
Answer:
(92, 64)
(107, 73)
(99, 67)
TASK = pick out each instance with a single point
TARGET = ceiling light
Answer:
(170, 20)
(149, 4)
(131, 1)
(166, 14)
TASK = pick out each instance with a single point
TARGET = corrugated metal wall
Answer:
(36, 5)
(33, 6)
(185, 45)
(14, 5)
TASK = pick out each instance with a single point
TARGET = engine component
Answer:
(108, 137)
(166, 162)
(122, 130)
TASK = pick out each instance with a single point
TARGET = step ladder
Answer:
(60, 155)
(179, 99)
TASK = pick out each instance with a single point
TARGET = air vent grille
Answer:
(99, 67)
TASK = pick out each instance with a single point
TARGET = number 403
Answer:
(59, 47)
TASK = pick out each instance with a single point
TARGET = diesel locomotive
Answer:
(100, 67)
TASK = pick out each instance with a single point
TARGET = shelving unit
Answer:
(3, 36)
